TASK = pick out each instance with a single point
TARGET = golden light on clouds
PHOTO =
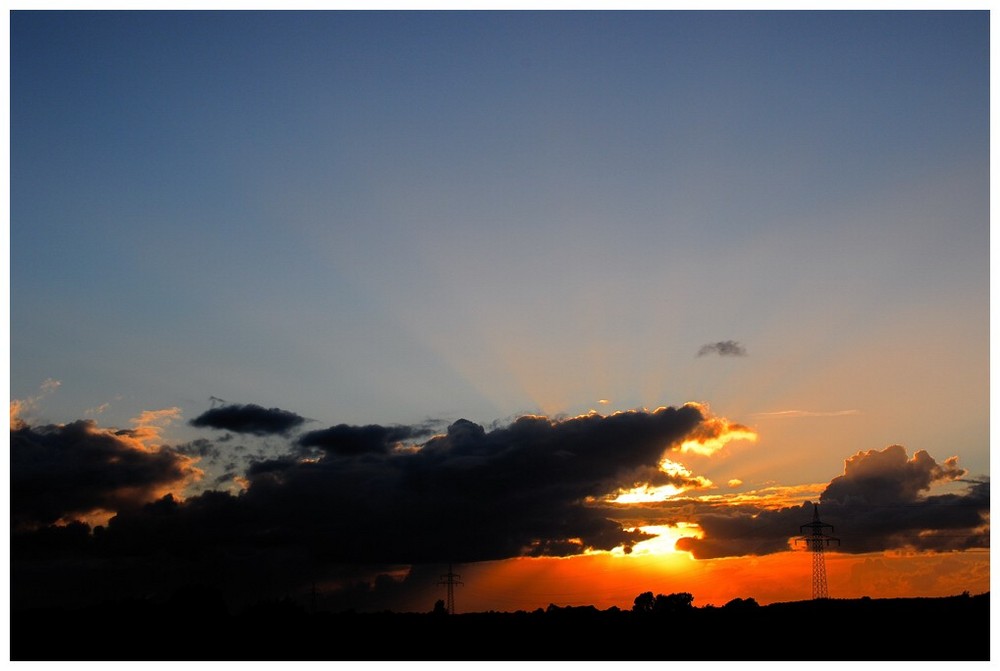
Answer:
(771, 498)
(651, 494)
(18, 407)
(648, 494)
(715, 433)
(150, 423)
(181, 472)
(664, 540)
(16, 410)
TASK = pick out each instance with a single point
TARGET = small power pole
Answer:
(312, 598)
(451, 579)
(817, 542)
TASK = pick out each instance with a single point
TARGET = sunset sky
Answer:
(586, 303)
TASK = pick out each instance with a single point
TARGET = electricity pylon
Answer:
(817, 542)
(451, 579)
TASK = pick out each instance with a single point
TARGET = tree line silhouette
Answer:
(197, 625)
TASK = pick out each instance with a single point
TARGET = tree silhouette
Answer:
(643, 603)
(742, 604)
(672, 604)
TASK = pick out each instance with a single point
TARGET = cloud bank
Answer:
(400, 495)
(342, 496)
(354, 494)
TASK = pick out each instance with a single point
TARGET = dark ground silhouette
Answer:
(656, 628)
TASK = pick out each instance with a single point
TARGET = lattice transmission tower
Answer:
(451, 579)
(817, 542)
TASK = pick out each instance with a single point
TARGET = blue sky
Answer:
(390, 217)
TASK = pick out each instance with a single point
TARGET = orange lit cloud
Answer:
(681, 480)
(713, 434)
(664, 538)
(766, 498)
(150, 423)
(20, 407)
(80, 471)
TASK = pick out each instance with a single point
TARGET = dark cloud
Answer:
(723, 348)
(889, 477)
(370, 496)
(201, 448)
(71, 470)
(879, 503)
(346, 498)
(250, 418)
(467, 495)
(353, 440)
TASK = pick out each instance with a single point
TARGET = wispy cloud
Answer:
(20, 407)
(96, 411)
(788, 414)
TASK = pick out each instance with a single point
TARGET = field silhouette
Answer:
(198, 626)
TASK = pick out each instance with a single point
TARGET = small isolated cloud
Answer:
(250, 418)
(723, 348)
(50, 385)
(734, 483)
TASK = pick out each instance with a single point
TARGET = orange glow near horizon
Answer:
(614, 579)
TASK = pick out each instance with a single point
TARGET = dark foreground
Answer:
(938, 629)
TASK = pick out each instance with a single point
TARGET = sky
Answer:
(585, 304)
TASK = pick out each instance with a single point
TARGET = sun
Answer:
(664, 541)
(684, 480)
